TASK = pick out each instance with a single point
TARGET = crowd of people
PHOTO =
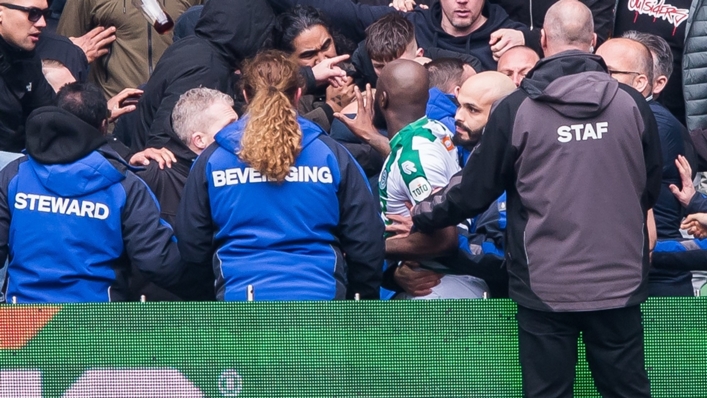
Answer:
(339, 149)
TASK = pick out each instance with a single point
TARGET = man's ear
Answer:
(543, 40)
(383, 102)
(420, 52)
(659, 84)
(641, 83)
(456, 91)
(245, 96)
(198, 140)
(594, 43)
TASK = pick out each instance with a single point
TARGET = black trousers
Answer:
(614, 347)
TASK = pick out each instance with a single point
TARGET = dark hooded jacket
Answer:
(352, 19)
(532, 13)
(23, 89)
(579, 156)
(228, 32)
(73, 216)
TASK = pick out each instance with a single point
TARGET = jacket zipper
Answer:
(149, 49)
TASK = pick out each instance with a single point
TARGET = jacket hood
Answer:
(82, 177)
(229, 138)
(55, 136)
(573, 83)
(237, 28)
(439, 105)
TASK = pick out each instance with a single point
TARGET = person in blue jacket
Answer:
(72, 214)
(277, 204)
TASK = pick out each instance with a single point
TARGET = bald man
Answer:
(422, 159)
(517, 62)
(579, 157)
(631, 63)
(475, 98)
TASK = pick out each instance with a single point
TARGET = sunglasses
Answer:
(33, 13)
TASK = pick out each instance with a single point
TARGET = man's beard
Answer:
(474, 136)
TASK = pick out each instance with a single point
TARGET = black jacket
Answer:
(352, 19)
(532, 13)
(23, 89)
(228, 31)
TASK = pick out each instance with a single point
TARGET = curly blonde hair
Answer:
(272, 138)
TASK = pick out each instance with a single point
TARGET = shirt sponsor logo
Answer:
(419, 189)
(53, 204)
(249, 175)
(582, 132)
(658, 9)
(408, 167)
(447, 142)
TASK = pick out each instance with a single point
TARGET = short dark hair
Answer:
(388, 37)
(85, 101)
(660, 51)
(445, 73)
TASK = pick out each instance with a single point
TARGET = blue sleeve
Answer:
(690, 260)
(351, 19)
(148, 241)
(6, 175)
(360, 230)
(698, 204)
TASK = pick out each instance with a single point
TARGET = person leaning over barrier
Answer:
(73, 217)
(279, 205)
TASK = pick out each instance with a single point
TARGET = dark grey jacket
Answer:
(579, 157)
(694, 62)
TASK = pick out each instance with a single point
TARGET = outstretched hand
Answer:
(503, 40)
(696, 225)
(95, 43)
(406, 5)
(114, 103)
(362, 125)
(684, 195)
(327, 71)
(163, 157)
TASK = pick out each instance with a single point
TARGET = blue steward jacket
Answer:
(73, 217)
(315, 236)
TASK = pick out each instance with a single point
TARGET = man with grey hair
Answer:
(662, 57)
(199, 114)
(579, 157)
(629, 62)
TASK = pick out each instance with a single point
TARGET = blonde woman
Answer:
(276, 204)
